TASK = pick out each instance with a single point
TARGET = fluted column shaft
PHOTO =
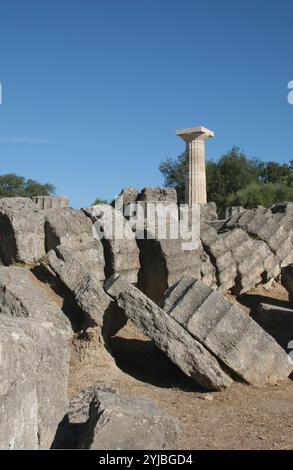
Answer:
(195, 175)
(195, 178)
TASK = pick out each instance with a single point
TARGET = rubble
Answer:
(22, 236)
(51, 202)
(18, 390)
(121, 254)
(162, 263)
(118, 422)
(276, 318)
(254, 260)
(170, 337)
(157, 194)
(72, 229)
(96, 306)
(227, 332)
(287, 280)
(40, 319)
(220, 256)
(260, 223)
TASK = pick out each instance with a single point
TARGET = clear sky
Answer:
(93, 91)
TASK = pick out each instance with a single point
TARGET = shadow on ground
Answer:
(145, 362)
(252, 301)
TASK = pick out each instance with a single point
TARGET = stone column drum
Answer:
(195, 184)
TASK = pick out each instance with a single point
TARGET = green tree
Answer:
(100, 201)
(264, 194)
(12, 185)
(273, 172)
(237, 170)
(34, 188)
(236, 180)
(215, 183)
(173, 172)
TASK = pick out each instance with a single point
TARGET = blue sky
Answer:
(93, 91)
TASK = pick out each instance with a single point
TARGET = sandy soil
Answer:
(243, 417)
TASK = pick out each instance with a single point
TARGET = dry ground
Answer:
(243, 417)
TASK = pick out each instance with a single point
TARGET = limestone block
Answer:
(234, 338)
(170, 337)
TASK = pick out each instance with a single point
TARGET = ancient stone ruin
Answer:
(64, 294)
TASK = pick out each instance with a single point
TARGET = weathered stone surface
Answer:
(233, 211)
(163, 201)
(18, 390)
(121, 252)
(71, 228)
(22, 296)
(163, 262)
(208, 212)
(220, 256)
(100, 418)
(224, 329)
(164, 254)
(195, 174)
(22, 236)
(170, 337)
(287, 280)
(277, 320)
(117, 422)
(51, 202)
(260, 223)
(127, 196)
(97, 306)
(284, 213)
(158, 194)
(71, 427)
(208, 271)
(254, 260)
(218, 224)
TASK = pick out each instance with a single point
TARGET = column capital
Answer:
(195, 133)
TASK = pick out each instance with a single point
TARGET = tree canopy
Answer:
(12, 185)
(100, 201)
(236, 180)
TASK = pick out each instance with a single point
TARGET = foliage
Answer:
(12, 185)
(100, 201)
(263, 194)
(236, 180)
(173, 172)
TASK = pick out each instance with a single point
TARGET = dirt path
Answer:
(243, 417)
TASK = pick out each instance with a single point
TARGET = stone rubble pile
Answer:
(220, 255)
(72, 229)
(208, 337)
(102, 419)
(50, 253)
(287, 280)
(35, 340)
(272, 228)
(254, 260)
(223, 258)
(96, 306)
(168, 335)
(231, 335)
(121, 254)
(276, 318)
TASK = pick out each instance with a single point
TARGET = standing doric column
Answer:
(195, 178)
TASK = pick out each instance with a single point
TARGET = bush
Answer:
(236, 180)
(261, 194)
(12, 185)
(100, 201)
